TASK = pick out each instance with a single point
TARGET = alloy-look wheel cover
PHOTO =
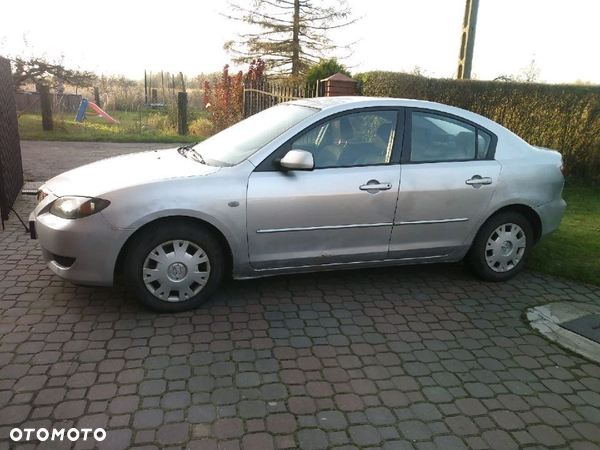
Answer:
(505, 247)
(176, 270)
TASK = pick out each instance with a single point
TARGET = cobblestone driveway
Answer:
(399, 358)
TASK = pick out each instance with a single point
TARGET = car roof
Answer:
(336, 104)
(359, 101)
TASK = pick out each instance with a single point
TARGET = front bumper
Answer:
(551, 214)
(82, 251)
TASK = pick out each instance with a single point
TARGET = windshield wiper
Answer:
(185, 149)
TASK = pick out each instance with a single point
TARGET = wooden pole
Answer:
(46, 106)
(182, 125)
(182, 81)
(97, 97)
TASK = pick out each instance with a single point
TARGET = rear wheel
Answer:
(502, 247)
(174, 267)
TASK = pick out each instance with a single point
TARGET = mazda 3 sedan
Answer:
(309, 185)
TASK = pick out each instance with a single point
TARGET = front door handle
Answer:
(374, 185)
(478, 180)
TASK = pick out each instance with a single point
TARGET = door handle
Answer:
(477, 181)
(374, 185)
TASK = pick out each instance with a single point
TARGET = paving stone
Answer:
(148, 418)
(331, 420)
(258, 441)
(225, 396)
(252, 409)
(498, 439)
(312, 440)
(281, 423)
(462, 425)
(176, 400)
(228, 428)
(69, 410)
(365, 435)
(413, 430)
(380, 416)
(202, 414)
(173, 434)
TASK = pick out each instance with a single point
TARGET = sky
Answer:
(129, 36)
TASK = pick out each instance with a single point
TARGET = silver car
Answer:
(308, 185)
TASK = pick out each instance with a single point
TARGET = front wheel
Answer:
(502, 247)
(174, 267)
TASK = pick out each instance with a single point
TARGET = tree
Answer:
(289, 35)
(38, 70)
(530, 73)
(417, 71)
(325, 68)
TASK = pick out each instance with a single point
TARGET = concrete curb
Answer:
(547, 319)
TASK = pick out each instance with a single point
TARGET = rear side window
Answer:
(437, 138)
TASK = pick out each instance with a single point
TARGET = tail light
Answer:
(562, 169)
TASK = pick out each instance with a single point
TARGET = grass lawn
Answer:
(573, 251)
(133, 127)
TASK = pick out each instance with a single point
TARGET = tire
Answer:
(502, 247)
(174, 267)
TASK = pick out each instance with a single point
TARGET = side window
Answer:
(438, 138)
(352, 140)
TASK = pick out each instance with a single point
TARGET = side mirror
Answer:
(298, 160)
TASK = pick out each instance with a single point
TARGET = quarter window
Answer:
(439, 138)
(483, 144)
(352, 140)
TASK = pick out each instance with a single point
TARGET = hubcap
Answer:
(505, 247)
(176, 270)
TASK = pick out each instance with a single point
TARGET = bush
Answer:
(162, 122)
(561, 117)
(325, 68)
(202, 127)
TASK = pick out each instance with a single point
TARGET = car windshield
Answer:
(238, 142)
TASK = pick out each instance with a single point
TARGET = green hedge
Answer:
(561, 117)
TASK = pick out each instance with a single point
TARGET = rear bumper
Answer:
(82, 251)
(551, 214)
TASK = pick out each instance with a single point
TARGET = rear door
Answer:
(448, 179)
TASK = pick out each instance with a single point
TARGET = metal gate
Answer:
(11, 165)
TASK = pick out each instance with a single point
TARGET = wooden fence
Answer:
(260, 96)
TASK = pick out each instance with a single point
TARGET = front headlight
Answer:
(77, 207)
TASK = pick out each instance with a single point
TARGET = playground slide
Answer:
(84, 104)
(102, 112)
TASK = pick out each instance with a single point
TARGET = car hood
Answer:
(112, 174)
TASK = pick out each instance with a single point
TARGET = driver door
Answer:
(340, 212)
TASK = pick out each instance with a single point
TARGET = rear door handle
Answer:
(477, 180)
(375, 185)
